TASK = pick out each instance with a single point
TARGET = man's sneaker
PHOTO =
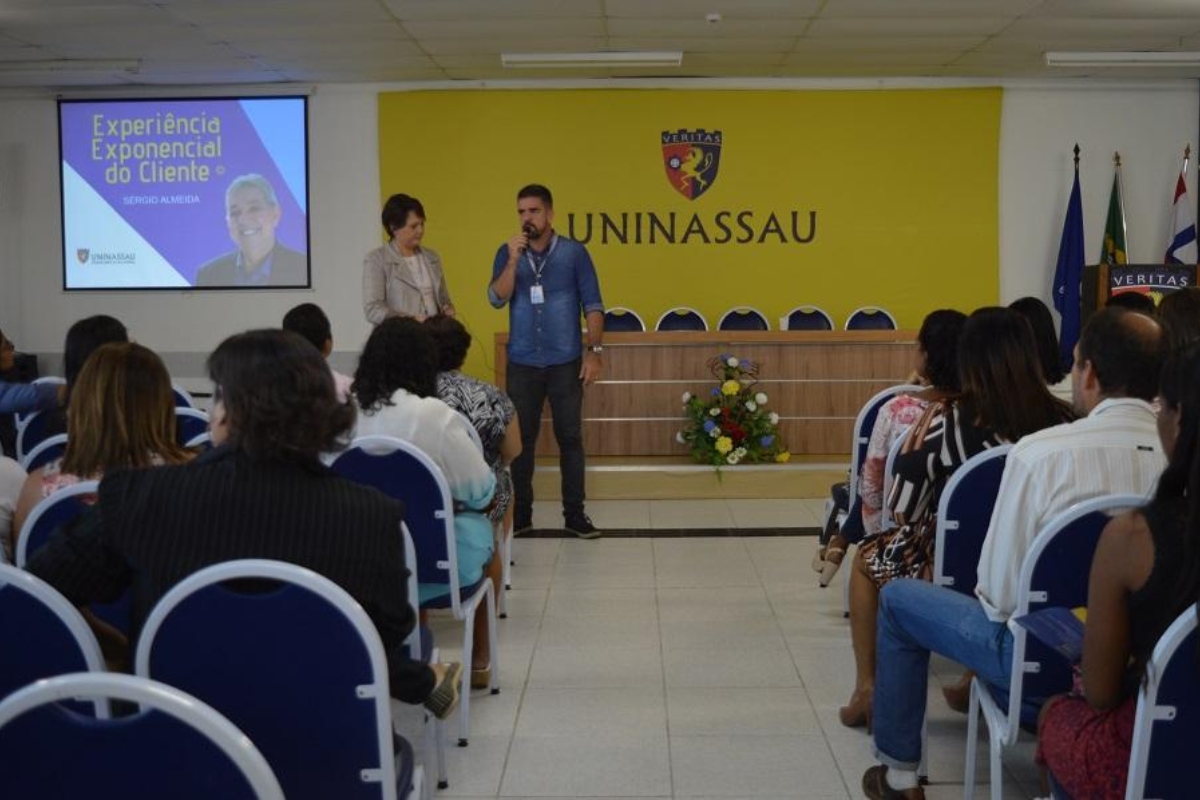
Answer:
(582, 527)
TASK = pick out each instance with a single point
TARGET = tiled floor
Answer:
(681, 667)
(675, 514)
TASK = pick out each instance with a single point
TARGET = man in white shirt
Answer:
(1114, 449)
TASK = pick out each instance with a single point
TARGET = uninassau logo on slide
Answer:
(692, 159)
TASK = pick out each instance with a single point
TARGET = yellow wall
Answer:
(903, 183)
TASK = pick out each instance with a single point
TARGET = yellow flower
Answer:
(730, 387)
(783, 457)
(724, 445)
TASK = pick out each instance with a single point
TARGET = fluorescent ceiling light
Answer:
(73, 65)
(651, 58)
(1118, 58)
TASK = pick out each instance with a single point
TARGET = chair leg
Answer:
(972, 743)
(506, 568)
(997, 776)
(848, 563)
(493, 649)
(464, 704)
(923, 767)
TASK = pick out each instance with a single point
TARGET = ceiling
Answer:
(213, 42)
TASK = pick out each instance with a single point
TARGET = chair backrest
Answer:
(404, 471)
(291, 659)
(870, 318)
(201, 441)
(806, 318)
(173, 746)
(889, 472)
(189, 423)
(682, 318)
(183, 398)
(619, 319)
(864, 423)
(743, 318)
(32, 431)
(1167, 725)
(44, 452)
(51, 512)
(43, 634)
(22, 419)
(1055, 573)
(963, 515)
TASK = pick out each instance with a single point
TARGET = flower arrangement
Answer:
(732, 424)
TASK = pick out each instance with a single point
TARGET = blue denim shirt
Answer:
(25, 397)
(548, 334)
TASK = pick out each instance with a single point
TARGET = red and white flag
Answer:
(1181, 238)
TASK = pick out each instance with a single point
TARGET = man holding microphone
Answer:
(547, 280)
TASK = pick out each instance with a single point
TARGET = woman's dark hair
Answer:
(396, 211)
(308, 320)
(451, 339)
(1179, 314)
(399, 354)
(1002, 386)
(279, 396)
(1132, 301)
(938, 339)
(1038, 316)
(84, 337)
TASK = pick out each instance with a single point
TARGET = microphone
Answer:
(530, 232)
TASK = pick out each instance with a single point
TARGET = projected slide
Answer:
(171, 194)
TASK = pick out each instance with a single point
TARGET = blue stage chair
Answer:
(183, 398)
(870, 318)
(806, 318)
(31, 432)
(44, 635)
(1054, 573)
(743, 318)
(963, 515)
(190, 423)
(622, 320)
(682, 318)
(292, 660)
(44, 452)
(174, 746)
(402, 470)
(50, 513)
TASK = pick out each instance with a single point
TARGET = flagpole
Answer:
(1121, 197)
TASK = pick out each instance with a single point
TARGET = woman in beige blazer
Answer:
(401, 278)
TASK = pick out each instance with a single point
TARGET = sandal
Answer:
(481, 678)
(818, 562)
(833, 562)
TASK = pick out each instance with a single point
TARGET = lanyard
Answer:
(534, 267)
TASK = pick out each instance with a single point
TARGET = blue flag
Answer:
(1068, 274)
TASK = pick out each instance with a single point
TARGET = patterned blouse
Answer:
(490, 412)
(896, 417)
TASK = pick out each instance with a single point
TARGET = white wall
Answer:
(1148, 123)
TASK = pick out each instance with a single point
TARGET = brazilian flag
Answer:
(1113, 249)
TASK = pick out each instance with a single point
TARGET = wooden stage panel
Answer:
(816, 381)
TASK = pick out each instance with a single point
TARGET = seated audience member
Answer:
(396, 389)
(12, 478)
(122, 414)
(1114, 449)
(1002, 399)
(262, 492)
(1179, 313)
(1133, 301)
(19, 398)
(308, 320)
(1144, 574)
(82, 340)
(937, 368)
(1038, 316)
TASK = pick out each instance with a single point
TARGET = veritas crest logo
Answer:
(82, 254)
(691, 159)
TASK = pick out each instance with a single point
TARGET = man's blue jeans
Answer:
(915, 619)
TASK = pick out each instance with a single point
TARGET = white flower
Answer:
(687, 396)
(679, 437)
(773, 417)
(761, 398)
(715, 432)
(733, 458)
(732, 361)
(740, 452)
(714, 412)
(751, 405)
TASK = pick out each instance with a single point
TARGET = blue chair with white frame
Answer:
(964, 513)
(1054, 572)
(806, 318)
(682, 318)
(402, 470)
(870, 318)
(743, 318)
(44, 452)
(240, 636)
(173, 746)
(619, 319)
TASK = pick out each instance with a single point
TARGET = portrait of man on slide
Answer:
(252, 212)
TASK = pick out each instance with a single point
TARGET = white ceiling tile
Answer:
(911, 26)
(928, 9)
(1082, 28)
(728, 9)
(1039, 44)
(290, 48)
(1123, 9)
(488, 29)
(880, 59)
(698, 28)
(882, 44)
(714, 45)
(490, 9)
(349, 32)
(495, 47)
(254, 14)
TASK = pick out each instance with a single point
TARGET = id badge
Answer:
(537, 295)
